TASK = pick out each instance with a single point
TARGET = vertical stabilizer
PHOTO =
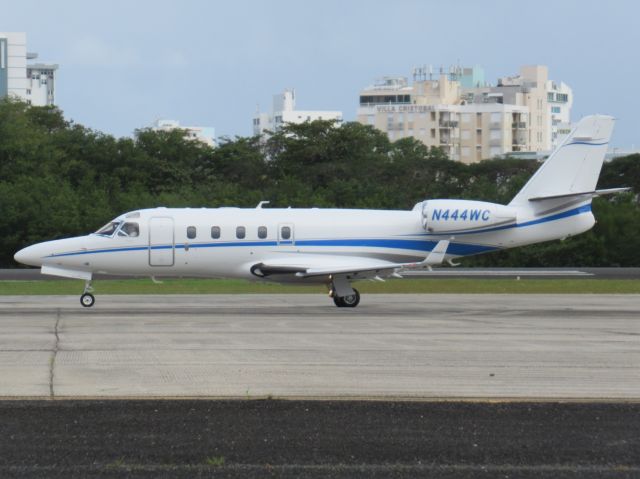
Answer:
(574, 166)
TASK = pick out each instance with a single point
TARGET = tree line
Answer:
(60, 179)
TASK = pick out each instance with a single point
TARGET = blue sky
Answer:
(124, 64)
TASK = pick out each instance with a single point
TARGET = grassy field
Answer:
(430, 285)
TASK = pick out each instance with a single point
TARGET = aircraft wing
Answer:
(351, 267)
(307, 266)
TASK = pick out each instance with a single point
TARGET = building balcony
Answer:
(448, 124)
(495, 125)
(495, 142)
(446, 141)
(519, 125)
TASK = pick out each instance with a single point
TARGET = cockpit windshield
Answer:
(109, 229)
(130, 229)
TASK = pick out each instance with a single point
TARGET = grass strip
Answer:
(416, 286)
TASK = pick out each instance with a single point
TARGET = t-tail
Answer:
(570, 174)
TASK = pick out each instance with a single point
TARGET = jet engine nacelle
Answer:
(452, 216)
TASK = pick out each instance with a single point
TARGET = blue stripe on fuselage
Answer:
(458, 249)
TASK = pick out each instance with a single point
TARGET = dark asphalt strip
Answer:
(345, 439)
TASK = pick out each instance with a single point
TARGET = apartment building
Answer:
(468, 118)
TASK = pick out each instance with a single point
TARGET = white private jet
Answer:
(337, 246)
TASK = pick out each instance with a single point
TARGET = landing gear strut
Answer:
(87, 299)
(349, 301)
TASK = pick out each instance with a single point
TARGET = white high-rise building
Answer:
(33, 83)
(284, 111)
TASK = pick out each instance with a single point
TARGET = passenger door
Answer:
(161, 242)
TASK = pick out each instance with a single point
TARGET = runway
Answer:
(523, 347)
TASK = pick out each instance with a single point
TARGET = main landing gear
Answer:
(87, 299)
(349, 301)
(344, 296)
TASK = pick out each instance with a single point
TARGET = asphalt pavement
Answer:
(335, 439)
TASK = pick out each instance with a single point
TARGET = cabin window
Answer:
(241, 232)
(285, 233)
(215, 232)
(130, 229)
(191, 232)
(262, 232)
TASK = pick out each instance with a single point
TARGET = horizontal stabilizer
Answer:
(586, 194)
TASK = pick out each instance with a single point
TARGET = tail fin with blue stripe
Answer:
(573, 167)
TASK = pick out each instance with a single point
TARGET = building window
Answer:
(285, 233)
(215, 232)
(241, 232)
(262, 232)
(466, 135)
(191, 232)
(464, 151)
(466, 118)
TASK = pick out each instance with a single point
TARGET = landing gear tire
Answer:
(350, 301)
(87, 300)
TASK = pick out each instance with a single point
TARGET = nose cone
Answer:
(29, 256)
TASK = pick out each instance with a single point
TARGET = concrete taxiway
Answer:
(301, 346)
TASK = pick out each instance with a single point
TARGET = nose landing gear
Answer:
(87, 299)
